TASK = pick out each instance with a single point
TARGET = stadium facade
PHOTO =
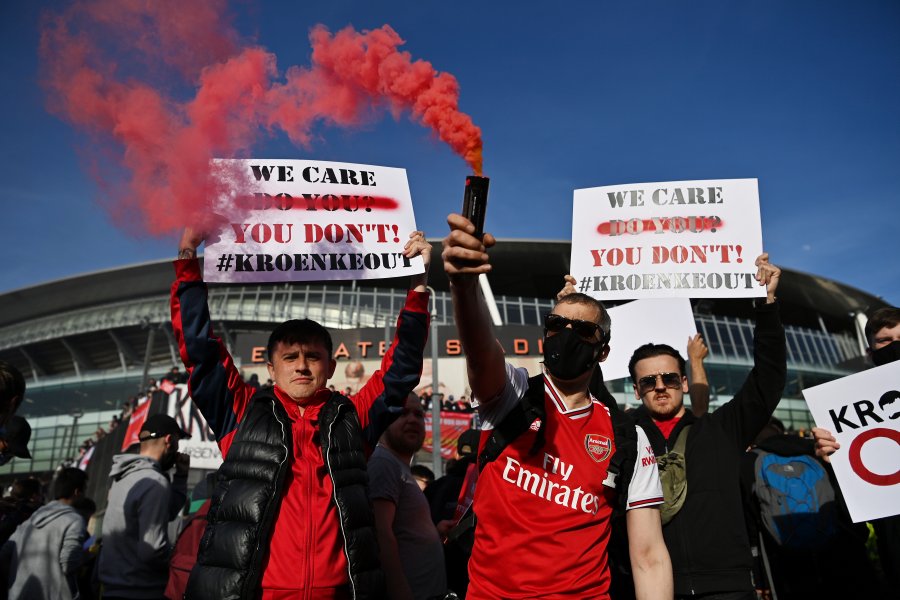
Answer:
(87, 344)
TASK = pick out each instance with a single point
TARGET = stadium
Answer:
(90, 343)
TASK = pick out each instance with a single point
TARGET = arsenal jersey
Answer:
(544, 516)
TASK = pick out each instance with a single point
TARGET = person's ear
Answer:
(332, 367)
(604, 353)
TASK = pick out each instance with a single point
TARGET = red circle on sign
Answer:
(856, 457)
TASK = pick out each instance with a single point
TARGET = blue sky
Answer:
(803, 96)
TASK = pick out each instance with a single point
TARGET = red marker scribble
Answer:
(103, 64)
(349, 203)
(677, 224)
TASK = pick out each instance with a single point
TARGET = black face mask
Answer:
(567, 356)
(886, 354)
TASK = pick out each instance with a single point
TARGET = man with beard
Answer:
(543, 511)
(883, 336)
(134, 562)
(410, 549)
(706, 535)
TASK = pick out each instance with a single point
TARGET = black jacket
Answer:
(707, 539)
(249, 489)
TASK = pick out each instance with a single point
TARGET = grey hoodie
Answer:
(134, 560)
(44, 553)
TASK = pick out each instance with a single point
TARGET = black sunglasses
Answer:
(587, 330)
(669, 380)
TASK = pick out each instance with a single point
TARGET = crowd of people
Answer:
(559, 493)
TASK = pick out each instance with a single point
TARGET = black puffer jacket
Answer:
(249, 490)
(707, 539)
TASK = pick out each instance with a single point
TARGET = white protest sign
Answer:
(201, 446)
(303, 220)
(658, 321)
(862, 411)
(689, 239)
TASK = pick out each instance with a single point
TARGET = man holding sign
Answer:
(291, 516)
(704, 518)
(883, 336)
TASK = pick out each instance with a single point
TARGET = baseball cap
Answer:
(161, 425)
(18, 434)
(467, 444)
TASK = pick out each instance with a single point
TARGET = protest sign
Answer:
(138, 417)
(201, 446)
(453, 425)
(862, 411)
(658, 321)
(689, 239)
(301, 220)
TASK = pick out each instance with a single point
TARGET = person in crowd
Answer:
(25, 497)
(42, 557)
(883, 336)
(291, 515)
(541, 504)
(134, 561)
(706, 536)
(14, 439)
(409, 545)
(12, 391)
(444, 498)
(423, 475)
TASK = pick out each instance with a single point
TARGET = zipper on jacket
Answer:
(337, 504)
(273, 500)
(307, 472)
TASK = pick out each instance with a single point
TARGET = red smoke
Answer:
(102, 61)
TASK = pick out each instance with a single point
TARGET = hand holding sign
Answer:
(417, 246)
(768, 275)
(826, 445)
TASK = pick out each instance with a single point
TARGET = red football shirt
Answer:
(543, 518)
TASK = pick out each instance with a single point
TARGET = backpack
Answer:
(673, 477)
(529, 409)
(796, 500)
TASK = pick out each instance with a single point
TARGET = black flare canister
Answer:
(475, 202)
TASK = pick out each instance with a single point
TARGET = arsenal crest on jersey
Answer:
(597, 446)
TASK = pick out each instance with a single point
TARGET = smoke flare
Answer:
(102, 62)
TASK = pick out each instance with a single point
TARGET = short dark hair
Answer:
(25, 489)
(299, 331)
(579, 298)
(68, 482)
(12, 385)
(881, 318)
(651, 351)
(423, 472)
(85, 506)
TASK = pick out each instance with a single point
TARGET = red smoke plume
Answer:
(165, 143)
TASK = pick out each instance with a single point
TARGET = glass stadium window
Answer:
(793, 350)
(793, 386)
(743, 339)
(725, 340)
(513, 312)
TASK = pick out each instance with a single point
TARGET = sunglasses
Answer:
(584, 329)
(669, 380)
